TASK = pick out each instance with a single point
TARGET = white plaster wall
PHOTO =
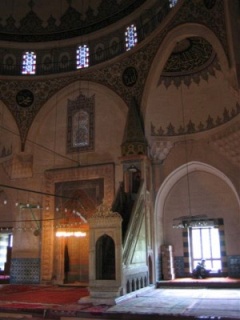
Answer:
(196, 103)
(49, 131)
(202, 193)
(48, 135)
(9, 136)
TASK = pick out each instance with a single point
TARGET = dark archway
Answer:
(150, 270)
(105, 259)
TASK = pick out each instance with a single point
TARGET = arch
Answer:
(71, 90)
(133, 285)
(177, 34)
(150, 270)
(105, 258)
(171, 180)
(128, 286)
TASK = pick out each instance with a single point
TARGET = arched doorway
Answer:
(105, 258)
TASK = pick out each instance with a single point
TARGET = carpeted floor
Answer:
(184, 304)
(222, 280)
(211, 282)
(41, 294)
(58, 302)
(52, 302)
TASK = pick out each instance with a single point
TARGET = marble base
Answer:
(97, 301)
(102, 295)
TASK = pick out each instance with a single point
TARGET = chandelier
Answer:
(199, 221)
(70, 233)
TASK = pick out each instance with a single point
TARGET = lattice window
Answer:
(80, 135)
(80, 129)
(131, 37)
(29, 63)
(82, 57)
(172, 3)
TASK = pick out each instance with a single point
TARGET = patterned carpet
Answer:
(184, 304)
(47, 301)
(41, 294)
(55, 302)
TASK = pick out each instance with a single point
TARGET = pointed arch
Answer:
(105, 258)
(172, 38)
(172, 179)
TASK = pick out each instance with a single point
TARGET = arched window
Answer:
(29, 63)
(172, 3)
(131, 37)
(80, 122)
(82, 57)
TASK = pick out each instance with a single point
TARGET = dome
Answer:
(43, 20)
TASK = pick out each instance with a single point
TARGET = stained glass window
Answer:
(82, 57)
(29, 63)
(80, 129)
(80, 133)
(131, 37)
(172, 3)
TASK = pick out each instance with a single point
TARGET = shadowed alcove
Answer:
(105, 258)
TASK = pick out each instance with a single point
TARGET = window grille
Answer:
(131, 37)
(82, 57)
(172, 3)
(29, 63)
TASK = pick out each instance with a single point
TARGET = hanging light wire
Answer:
(46, 194)
(41, 146)
(55, 132)
(186, 153)
(38, 192)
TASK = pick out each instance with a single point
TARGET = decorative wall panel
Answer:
(25, 271)
(233, 263)
(104, 171)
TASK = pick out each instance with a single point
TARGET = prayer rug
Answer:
(41, 294)
(47, 300)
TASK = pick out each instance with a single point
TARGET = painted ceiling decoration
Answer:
(192, 59)
(209, 4)
(128, 83)
(45, 20)
(191, 127)
(188, 55)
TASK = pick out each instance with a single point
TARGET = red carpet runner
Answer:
(41, 294)
(46, 300)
